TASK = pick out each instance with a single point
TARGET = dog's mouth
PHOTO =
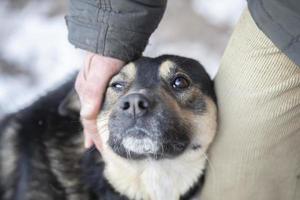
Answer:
(158, 133)
(140, 143)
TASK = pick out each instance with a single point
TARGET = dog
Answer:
(158, 119)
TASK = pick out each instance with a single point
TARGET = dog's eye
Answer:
(118, 86)
(180, 82)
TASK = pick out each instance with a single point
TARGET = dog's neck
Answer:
(154, 179)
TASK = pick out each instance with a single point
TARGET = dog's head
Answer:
(157, 120)
(158, 108)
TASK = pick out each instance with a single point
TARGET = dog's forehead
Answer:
(143, 72)
(148, 72)
(151, 68)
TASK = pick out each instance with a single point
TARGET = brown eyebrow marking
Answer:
(127, 73)
(166, 68)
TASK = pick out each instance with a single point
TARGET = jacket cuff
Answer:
(114, 28)
(106, 40)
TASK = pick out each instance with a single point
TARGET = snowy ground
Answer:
(35, 54)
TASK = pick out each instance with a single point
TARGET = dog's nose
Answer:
(135, 105)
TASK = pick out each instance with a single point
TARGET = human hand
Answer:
(91, 85)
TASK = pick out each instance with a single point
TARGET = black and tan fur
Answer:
(154, 136)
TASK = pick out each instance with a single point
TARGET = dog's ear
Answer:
(70, 105)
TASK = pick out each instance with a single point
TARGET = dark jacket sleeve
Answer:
(114, 28)
(280, 21)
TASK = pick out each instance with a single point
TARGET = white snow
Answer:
(41, 44)
(220, 12)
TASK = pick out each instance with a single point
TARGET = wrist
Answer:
(104, 61)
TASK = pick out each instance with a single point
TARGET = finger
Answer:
(96, 140)
(90, 106)
(90, 98)
(88, 119)
(91, 93)
(88, 141)
(91, 133)
(90, 126)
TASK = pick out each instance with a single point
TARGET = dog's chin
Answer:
(137, 145)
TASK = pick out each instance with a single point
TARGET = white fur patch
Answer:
(140, 146)
(154, 179)
(165, 68)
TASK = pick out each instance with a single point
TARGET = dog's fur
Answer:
(155, 150)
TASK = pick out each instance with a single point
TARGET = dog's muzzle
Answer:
(143, 126)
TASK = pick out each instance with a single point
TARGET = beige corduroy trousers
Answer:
(256, 154)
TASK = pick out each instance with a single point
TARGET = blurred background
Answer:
(35, 55)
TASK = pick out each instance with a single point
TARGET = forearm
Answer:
(114, 28)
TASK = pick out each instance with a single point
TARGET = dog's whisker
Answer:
(128, 153)
(103, 126)
(210, 165)
(102, 120)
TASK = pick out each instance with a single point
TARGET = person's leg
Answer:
(256, 154)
